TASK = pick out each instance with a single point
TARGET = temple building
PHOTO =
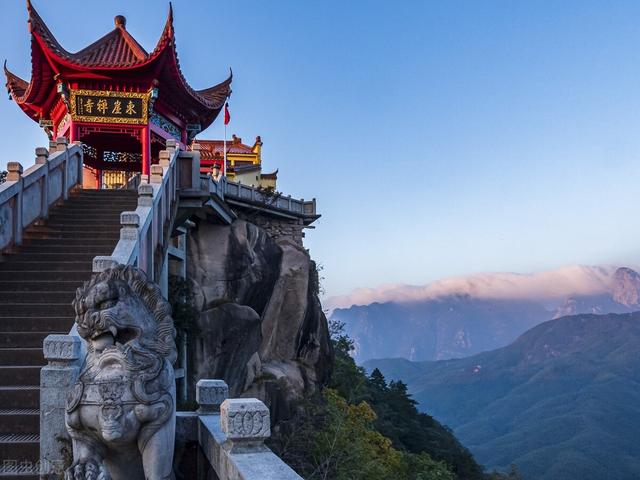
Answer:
(119, 100)
(244, 162)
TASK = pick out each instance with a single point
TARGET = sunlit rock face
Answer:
(626, 287)
(261, 326)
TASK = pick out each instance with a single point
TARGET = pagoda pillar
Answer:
(73, 132)
(145, 141)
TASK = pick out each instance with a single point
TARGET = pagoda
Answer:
(119, 100)
(244, 162)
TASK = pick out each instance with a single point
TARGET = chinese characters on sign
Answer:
(109, 107)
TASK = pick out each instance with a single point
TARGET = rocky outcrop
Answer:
(261, 326)
(626, 287)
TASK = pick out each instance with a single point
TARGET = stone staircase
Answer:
(37, 285)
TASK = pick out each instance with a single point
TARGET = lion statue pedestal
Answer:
(121, 412)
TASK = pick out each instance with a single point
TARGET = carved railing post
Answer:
(14, 174)
(42, 156)
(56, 379)
(210, 394)
(246, 423)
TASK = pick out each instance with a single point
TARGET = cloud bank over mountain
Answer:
(558, 284)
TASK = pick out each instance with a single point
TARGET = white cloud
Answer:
(548, 285)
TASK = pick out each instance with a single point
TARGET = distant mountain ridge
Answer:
(562, 401)
(458, 325)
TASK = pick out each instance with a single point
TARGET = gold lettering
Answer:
(102, 106)
(117, 108)
(88, 105)
(131, 108)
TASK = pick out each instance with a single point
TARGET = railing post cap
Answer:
(195, 147)
(15, 167)
(145, 189)
(245, 419)
(130, 219)
(210, 394)
(165, 154)
(42, 151)
(171, 142)
(61, 348)
(103, 262)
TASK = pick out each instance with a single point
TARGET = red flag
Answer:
(227, 116)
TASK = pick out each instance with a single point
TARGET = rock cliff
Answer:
(261, 327)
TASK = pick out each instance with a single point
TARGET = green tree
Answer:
(3, 176)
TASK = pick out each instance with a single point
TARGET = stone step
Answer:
(19, 420)
(35, 266)
(21, 356)
(37, 309)
(20, 396)
(34, 324)
(52, 276)
(24, 339)
(100, 225)
(62, 236)
(98, 205)
(69, 242)
(63, 248)
(88, 233)
(95, 219)
(20, 375)
(37, 297)
(20, 471)
(20, 447)
(38, 286)
(29, 256)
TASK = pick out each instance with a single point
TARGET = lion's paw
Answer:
(90, 469)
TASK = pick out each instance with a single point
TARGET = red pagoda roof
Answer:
(210, 149)
(116, 55)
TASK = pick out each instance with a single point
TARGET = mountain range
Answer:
(562, 402)
(461, 317)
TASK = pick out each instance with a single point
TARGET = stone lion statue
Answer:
(121, 412)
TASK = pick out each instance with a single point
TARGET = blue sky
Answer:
(440, 138)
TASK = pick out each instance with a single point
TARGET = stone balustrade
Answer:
(26, 195)
(144, 234)
(235, 191)
(64, 354)
(230, 434)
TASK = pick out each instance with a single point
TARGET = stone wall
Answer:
(278, 229)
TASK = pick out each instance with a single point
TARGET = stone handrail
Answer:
(26, 195)
(144, 233)
(231, 434)
(226, 189)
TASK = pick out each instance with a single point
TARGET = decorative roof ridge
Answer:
(39, 28)
(219, 93)
(138, 51)
(213, 97)
(167, 35)
(36, 24)
(16, 86)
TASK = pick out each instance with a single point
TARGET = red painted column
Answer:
(73, 132)
(145, 142)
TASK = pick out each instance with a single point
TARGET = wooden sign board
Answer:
(109, 107)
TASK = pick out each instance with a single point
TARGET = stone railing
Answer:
(26, 195)
(230, 434)
(228, 190)
(144, 236)
(65, 355)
